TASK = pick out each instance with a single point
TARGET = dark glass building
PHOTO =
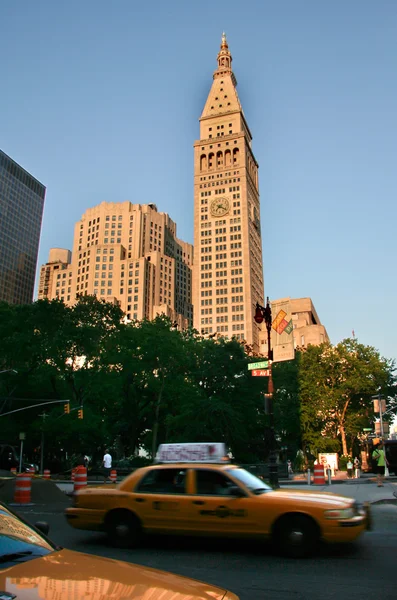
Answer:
(21, 211)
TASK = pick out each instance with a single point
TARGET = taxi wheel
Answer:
(296, 536)
(123, 529)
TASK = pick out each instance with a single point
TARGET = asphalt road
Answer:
(367, 568)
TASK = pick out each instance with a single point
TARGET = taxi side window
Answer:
(163, 481)
(212, 483)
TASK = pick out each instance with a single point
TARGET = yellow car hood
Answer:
(66, 574)
(312, 497)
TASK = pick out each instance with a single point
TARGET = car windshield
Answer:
(19, 542)
(253, 483)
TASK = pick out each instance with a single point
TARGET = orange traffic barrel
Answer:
(319, 478)
(14, 470)
(72, 474)
(113, 476)
(47, 474)
(80, 478)
(23, 487)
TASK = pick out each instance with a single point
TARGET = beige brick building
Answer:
(227, 272)
(125, 253)
(306, 328)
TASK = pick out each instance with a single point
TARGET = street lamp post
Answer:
(264, 313)
(379, 399)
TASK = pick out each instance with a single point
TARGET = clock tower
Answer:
(227, 271)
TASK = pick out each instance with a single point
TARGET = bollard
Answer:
(113, 476)
(329, 476)
(318, 478)
(308, 477)
(80, 478)
(23, 486)
(47, 474)
(13, 470)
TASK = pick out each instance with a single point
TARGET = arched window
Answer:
(228, 158)
(219, 158)
(211, 160)
(236, 153)
(203, 162)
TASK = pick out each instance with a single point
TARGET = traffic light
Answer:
(66, 408)
(80, 413)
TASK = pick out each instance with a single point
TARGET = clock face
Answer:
(220, 207)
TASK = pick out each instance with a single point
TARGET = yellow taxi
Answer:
(31, 567)
(193, 490)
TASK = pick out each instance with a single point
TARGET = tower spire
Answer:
(224, 58)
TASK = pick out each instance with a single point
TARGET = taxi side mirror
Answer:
(43, 527)
(236, 491)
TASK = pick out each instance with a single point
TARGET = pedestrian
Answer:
(86, 461)
(289, 464)
(349, 468)
(357, 468)
(379, 456)
(107, 465)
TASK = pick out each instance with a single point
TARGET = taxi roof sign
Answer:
(205, 452)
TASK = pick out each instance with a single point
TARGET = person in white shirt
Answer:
(107, 465)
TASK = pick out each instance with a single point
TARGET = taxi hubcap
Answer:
(296, 536)
(122, 530)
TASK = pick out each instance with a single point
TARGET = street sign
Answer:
(367, 429)
(258, 365)
(21, 436)
(261, 373)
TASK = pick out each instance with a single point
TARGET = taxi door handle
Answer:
(139, 499)
(199, 502)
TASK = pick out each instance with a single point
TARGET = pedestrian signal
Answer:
(66, 408)
(80, 413)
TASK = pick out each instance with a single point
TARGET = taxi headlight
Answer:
(341, 513)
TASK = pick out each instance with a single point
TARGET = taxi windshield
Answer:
(19, 542)
(253, 483)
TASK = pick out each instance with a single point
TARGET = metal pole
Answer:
(273, 467)
(20, 457)
(382, 432)
(42, 452)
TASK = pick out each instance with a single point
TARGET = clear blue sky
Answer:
(100, 101)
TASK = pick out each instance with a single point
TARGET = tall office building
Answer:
(129, 254)
(21, 211)
(228, 272)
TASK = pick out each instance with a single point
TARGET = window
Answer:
(212, 483)
(163, 481)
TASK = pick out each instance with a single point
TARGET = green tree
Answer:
(225, 402)
(286, 404)
(336, 384)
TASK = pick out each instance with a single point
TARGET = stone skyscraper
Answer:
(228, 271)
(21, 211)
(125, 253)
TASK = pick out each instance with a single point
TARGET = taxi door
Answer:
(160, 499)
(214, 510)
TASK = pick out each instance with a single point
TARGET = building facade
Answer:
(127, 254)
(21, 211)
(295, 324)
(228, 270)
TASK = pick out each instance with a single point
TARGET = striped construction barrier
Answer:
(72, 474)
(319, 478)
(23, 488)
(47, 474)
(113, 476)
(80, 478)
